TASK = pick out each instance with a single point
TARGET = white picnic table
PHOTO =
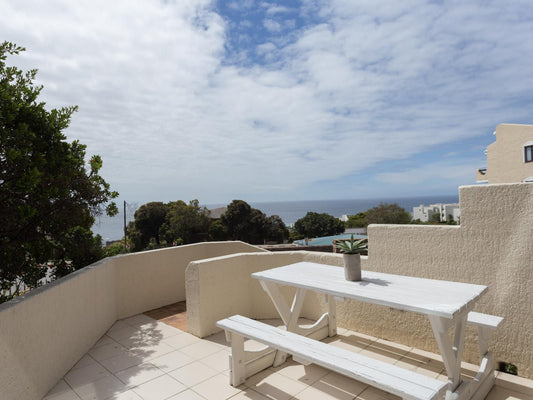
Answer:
(447, 305)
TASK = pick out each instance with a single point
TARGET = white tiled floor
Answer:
(142, 359)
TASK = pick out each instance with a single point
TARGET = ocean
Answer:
(289, 211)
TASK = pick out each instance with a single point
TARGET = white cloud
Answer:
(272, 25)
(374, 81)
(241, 4)
(273, 9)
(434, 174)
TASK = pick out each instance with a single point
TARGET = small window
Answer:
(528, 153)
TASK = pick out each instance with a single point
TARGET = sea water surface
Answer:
(289, 211)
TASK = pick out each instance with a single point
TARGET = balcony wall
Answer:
(44, 333)
(208, 300)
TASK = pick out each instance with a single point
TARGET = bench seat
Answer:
(484, 320)
(399, 381)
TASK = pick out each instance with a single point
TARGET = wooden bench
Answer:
(486, 325)
(399, 381)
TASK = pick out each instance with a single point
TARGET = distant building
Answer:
(445, 212)
(510, 157)
(344, 218)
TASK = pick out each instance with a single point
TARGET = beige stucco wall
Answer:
(209, 300)
(139, 288)
(44, 333)
(505, 157)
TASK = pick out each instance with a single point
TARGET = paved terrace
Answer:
(151, 357)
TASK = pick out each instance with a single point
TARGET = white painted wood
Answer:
(283, 309)
(319, 325)
(458, 346)
(447, 305)
(237, 360)
(484, 320)
(292, 320)
(259, 363)
(479, 387)
(440, 328)
(250, 355)
(332, 316)
(426, 296)
(396, 380)
(486, 325)
(296, 308)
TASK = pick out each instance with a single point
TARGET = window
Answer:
(528, 153)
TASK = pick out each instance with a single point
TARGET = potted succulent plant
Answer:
(351, 250)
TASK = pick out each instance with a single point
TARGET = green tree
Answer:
(218, 231)
(81, 247)
(236, 219)
(187, 222)
(242, 222)
(387, 214)
(276, 231)
(114, 249)
(450, 220)
(148, 220)
(318, 225)
(48, 195)
(435, 217)
(356, 221)
(133, 237)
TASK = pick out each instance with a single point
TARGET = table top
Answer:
(425, 296)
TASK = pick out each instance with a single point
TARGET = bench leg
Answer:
(477, 388)
(484, 336)
(237, 360)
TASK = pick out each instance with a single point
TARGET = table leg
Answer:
(332, 316)
(451, 354)
(277, 298)
(289, 316)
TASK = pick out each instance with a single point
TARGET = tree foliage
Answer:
(276, 230)
(387, 214)
(148, 221)
(190, 223)
(217, 231)
(242, 222)
(318, 225)
(356, 221)
(158, 224)
(48, 196)
(435, 217)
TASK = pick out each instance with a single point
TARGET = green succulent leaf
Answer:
(352, 246)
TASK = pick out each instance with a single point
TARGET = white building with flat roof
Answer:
(444, 211)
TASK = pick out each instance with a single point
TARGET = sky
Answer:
(280, 100)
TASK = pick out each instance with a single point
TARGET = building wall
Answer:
(505, 157)
(424, 213)
(420, 213)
